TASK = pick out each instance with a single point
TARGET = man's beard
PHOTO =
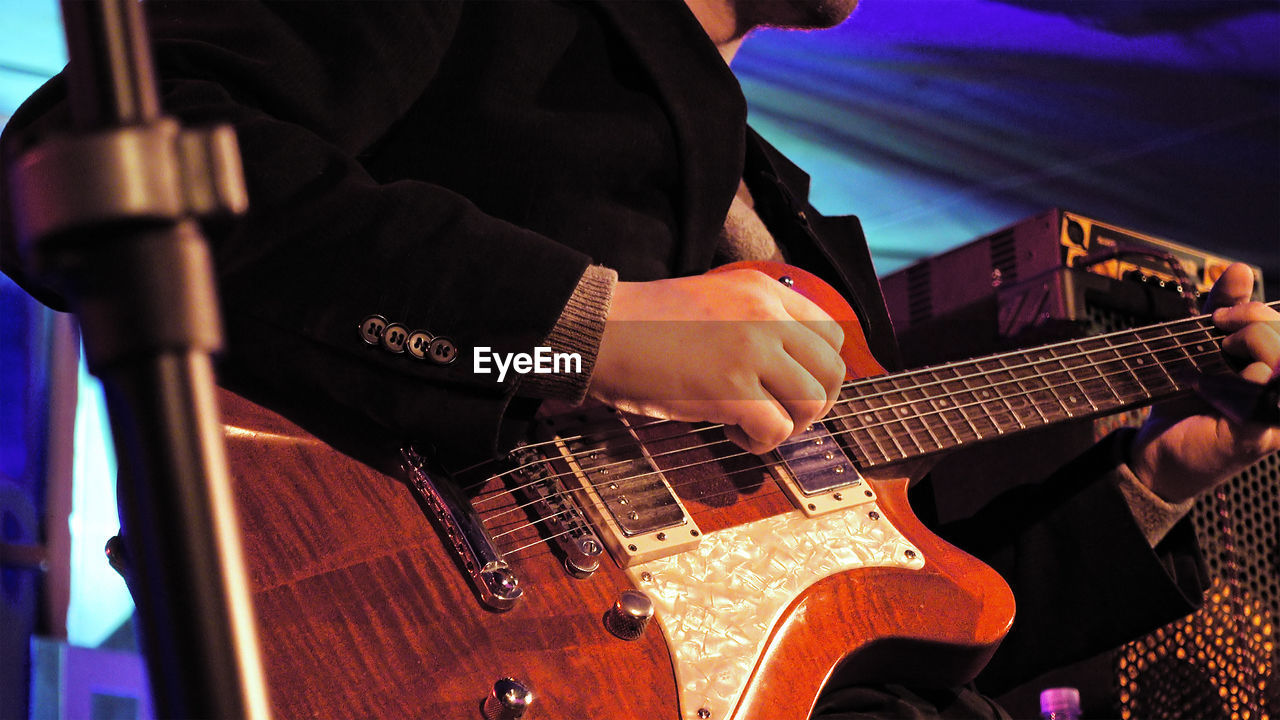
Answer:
(800, 14)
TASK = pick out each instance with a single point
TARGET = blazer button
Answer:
(442, 351)
(417, 344)
(371, 329)
(393, 337)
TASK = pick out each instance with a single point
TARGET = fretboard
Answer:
(906, 415)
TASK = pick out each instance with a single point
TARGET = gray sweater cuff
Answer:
(1155, 515)
(577, 330)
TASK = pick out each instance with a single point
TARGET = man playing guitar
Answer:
(563, 175)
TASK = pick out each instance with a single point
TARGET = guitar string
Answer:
(984, 374)
(1199, 319)
(497, 513)
(775, 463)
(932, 415)
(977, 435)
(764, 464)
(547, 540)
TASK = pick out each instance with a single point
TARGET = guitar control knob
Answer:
(509, 700)
(629, 615)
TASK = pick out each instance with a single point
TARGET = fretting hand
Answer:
(1185, 448)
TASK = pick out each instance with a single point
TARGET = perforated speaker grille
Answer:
(1220, 661)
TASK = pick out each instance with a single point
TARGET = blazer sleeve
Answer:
(1083, 574)
(309, 88)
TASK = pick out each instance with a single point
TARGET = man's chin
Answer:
(798, 14)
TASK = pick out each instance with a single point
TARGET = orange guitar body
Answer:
(365, 612)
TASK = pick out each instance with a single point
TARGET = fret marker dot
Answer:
(870, 417)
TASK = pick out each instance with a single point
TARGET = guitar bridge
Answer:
(564, 524)
(494, 580)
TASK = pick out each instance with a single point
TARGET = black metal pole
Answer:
(107, 215)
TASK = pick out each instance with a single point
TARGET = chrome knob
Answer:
(629, 615)
(509, 700)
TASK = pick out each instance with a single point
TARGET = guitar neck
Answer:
(911, 414)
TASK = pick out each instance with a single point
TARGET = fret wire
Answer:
(862, 450)
(970, 363)
(1054, 367)
(965, 415)
(884, 425)
(1163, 368)
(1141, 387)
(1106, 381)
(1183, 348)
(1051, 380)
(1019, 380)
(1200, 325)
(1146, 396)
(975, 403)
(870, 426)
(981, 400)
(853, 433)
(1066, 369)
(922, 418)
(910, 405)
(946, 423)
(898, 410)
(1083, 383)
(1129, 345)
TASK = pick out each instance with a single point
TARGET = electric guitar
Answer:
(619, 567)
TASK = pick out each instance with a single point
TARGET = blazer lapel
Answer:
(707, 112)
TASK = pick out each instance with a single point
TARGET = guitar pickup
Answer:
(817, 474)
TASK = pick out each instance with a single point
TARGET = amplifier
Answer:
(1057, 276)
(1053, 240)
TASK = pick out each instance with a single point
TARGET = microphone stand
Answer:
(107, 215)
